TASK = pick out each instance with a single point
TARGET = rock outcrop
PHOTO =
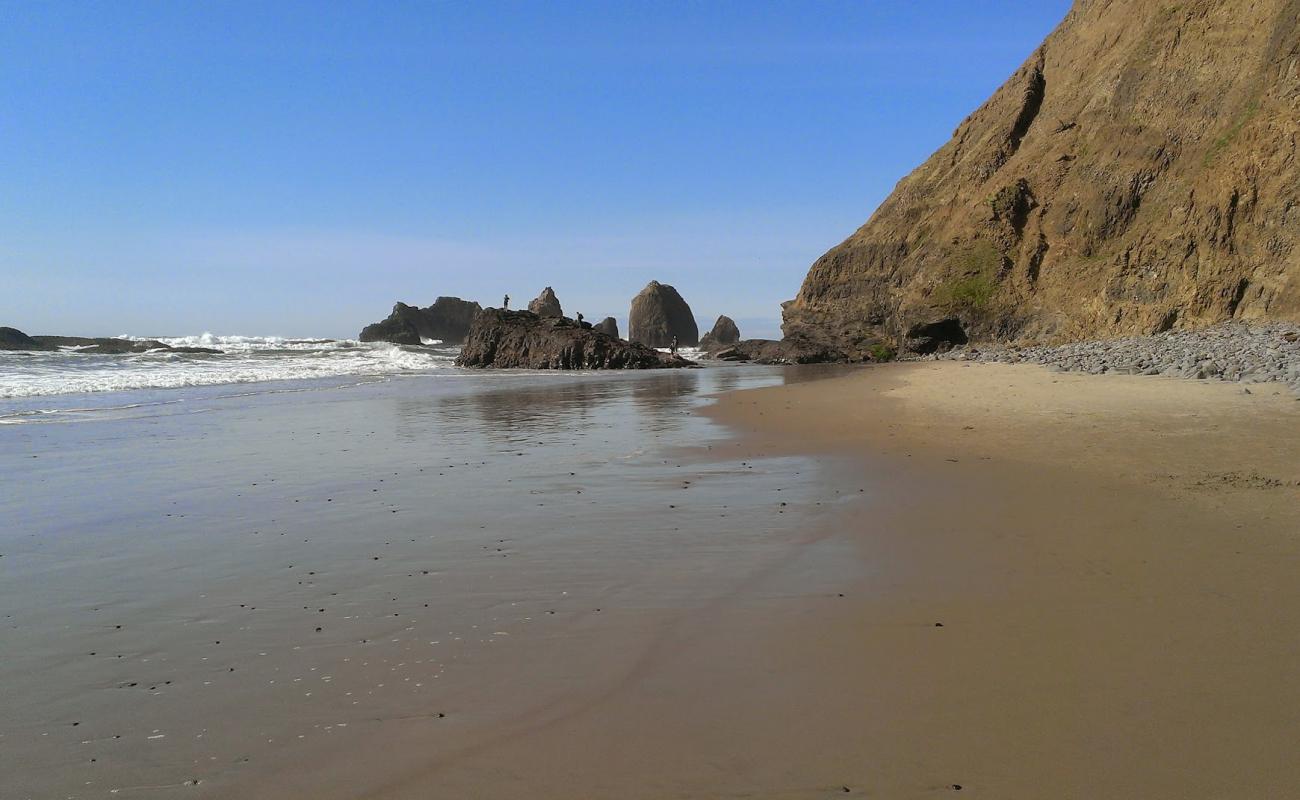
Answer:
(658, 314)
(14, 339)
(447, 320)
(524, 340)
(724, 333)
(607, 326)
(1137, 174)
(786, 351)
(546, 304)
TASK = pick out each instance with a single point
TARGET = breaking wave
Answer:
(244, 359)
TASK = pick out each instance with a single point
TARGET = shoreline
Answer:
(876, 581)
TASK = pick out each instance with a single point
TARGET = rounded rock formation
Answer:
(14, 339)
(658, 315)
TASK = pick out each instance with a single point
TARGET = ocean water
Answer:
(67, 384)
(209, 585)
(31, 376)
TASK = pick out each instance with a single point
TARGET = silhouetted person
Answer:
(579, 319)
(506, 303)
(674, 345)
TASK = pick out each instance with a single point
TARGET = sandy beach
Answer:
(885, 581)
(1052, 586)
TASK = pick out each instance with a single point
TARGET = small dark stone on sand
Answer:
(938, 624)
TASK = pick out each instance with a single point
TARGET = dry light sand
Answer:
(1055, 586)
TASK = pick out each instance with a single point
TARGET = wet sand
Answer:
(891, 584)
(313, 593)
(1051, 586)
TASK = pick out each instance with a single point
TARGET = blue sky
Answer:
(294, 168)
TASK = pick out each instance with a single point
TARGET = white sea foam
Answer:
(244, 359)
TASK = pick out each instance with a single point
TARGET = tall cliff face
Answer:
(1138, 173)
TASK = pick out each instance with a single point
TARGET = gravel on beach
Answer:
(1265, 353)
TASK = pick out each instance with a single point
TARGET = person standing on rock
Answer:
(579, 319)
(505, 304)
(674, 345)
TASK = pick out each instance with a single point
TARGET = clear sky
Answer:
(293, 168)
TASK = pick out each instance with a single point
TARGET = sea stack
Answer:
(607, 326)
(1137, 174)
(658, 315)
(546, 304)
(447, 320)
(724, 333)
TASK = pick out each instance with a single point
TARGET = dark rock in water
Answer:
(608, 326)
(402, 326)
(546, 304)
(522, 339)
(658, 315)
(448, 320)
(111, 346)
(724, 333)
(786, 351)
(14, 339)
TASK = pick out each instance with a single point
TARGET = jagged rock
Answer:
(522, 339)
(724, 333)
(1137, 174)
(447, 320)
(658, 314)
(546, 304)
(14, 339)
(608, 326)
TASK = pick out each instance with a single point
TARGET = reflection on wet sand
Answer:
(282, 575)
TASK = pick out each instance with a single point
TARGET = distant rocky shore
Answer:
(14, 339)
(544, 338)
(1267, 353)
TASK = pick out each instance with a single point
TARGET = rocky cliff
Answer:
(1137, 174)
(447, 320)
(524, 340)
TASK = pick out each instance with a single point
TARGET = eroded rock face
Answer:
(546, 304)
(724, 333)
(524, 340)
(448, 320)
(1137, 174)
(608, 326)
(658, 314)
